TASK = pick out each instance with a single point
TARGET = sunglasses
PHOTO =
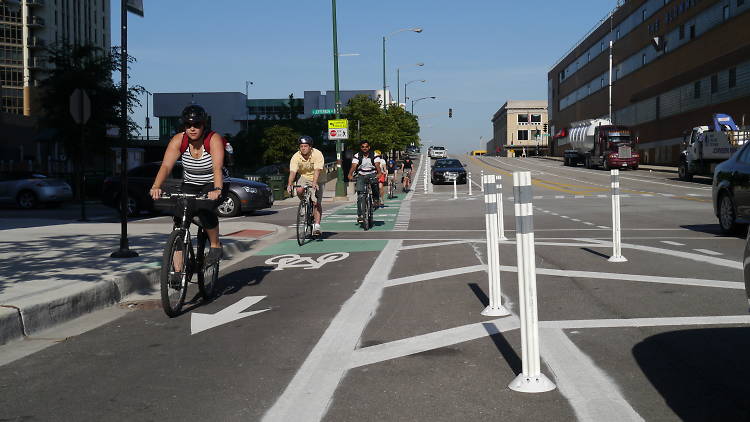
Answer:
(195, 125)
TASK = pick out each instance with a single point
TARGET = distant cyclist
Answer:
(202, 155)
(308, 162)
(406, 168)
(366, 164)
(391, 168)
(381, 176)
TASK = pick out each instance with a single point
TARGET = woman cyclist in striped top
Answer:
(202, 156)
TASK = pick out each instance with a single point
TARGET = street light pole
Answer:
(407, 84)
(247, 106)
(148, 119)
(124, 251)
(418, 100)
(398, 83)
(340, 186)
(417, 30)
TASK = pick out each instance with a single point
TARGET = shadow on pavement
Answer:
(510, 355)
(479, 293)
(702, 374)
(605, 256)
(236, 281)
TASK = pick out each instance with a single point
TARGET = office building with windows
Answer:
(519, 127)
(675, 64)
(27, 27)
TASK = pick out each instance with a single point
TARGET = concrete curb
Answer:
(28, 316)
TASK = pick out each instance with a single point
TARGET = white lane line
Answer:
(647, 195)
(430, 245)
(601, 196)
(311, 390)
(565, 216)
(575, 219)
(687, 255)
(559, 196)
(669, 242)
(593, 395)
(668, 195)
(431, 341)
(555, 214)
(602, 227)
(646, 322)
(708, 252)
(587, 223)
(693, 282)
(579, 197)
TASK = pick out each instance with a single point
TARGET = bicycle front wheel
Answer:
(369, 213)
(208, 276)
(302, 222)
(175, 272)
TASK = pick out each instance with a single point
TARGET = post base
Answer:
(124, 253)
(496, 312)
(617, 259)
(502, 238)
(536, 384)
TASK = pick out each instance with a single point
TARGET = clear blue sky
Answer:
(477, 54)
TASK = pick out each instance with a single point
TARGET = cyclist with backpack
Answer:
(367, 166)
(391, 168)
(202, 154)
(406, 167)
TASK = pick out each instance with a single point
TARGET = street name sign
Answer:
(318, 111)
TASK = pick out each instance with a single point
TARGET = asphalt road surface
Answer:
(386, 324)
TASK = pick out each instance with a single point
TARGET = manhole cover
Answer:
(140, 305)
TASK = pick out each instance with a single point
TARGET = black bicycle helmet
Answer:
(194, 114)
(304, 139)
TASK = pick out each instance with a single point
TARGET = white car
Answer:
(438, 152)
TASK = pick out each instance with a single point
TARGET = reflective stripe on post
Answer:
(455, 192)
(468, 180)
(616, 243)
(495, 307)
(481, 175)
(499, 193)
(531, 380)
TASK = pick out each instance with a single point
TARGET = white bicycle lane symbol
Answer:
(296, 261)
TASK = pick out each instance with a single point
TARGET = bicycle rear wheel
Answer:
(208, 276)
(310, 220)
(175, 272)
(369, 212)
(302, 222)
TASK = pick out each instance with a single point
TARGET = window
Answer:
(697, 90)
(523, 118)
(536, 118)
(643, 59)
(733, 77)
(714, 84)
(601, 46)
(523, 135)
(725, 13)
(643, 15)
(692, 32)
(740, 3)
(682, 31)
(617, 36)
(601, 82)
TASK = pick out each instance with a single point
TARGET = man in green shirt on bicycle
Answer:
(308, 162)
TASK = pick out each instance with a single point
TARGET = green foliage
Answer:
(250, 146)
(279, 144)
(393, 129)
(89, 68)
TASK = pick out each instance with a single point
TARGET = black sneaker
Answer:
(360, 220)
(213, 256)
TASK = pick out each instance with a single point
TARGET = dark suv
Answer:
(243, 195)
(731, 191)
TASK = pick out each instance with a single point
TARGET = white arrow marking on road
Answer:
(203, 322)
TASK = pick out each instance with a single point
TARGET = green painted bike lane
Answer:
(344, 219)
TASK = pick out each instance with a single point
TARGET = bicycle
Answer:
(365, 206)
(406, 180)
(305, 217)
(391, 186)
(179, 260)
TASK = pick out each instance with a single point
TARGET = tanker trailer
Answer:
(599, 143)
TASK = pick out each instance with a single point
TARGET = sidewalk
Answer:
(640, 166)
(52, 271)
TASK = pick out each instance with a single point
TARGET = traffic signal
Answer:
(450, 113)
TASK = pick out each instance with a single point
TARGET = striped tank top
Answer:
(197, 171)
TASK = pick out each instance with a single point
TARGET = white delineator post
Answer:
(616, 243)
(500, 221)
(531, 380)
(481, 175)
(495, 307)
(468, 180)
(455, 192)
(424, 158)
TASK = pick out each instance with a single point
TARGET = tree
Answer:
(90, 68)
(280, 143)
(393, 129)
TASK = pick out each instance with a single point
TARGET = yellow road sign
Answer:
(338, 124)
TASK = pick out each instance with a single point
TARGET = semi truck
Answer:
(704, 147)
(599, 143)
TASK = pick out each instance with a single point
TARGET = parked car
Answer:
(438, 152)
(447, 170)
(731, 191)
(746, 267)
(243, 195)
(27, 189)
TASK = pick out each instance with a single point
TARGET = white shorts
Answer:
(318, 196)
